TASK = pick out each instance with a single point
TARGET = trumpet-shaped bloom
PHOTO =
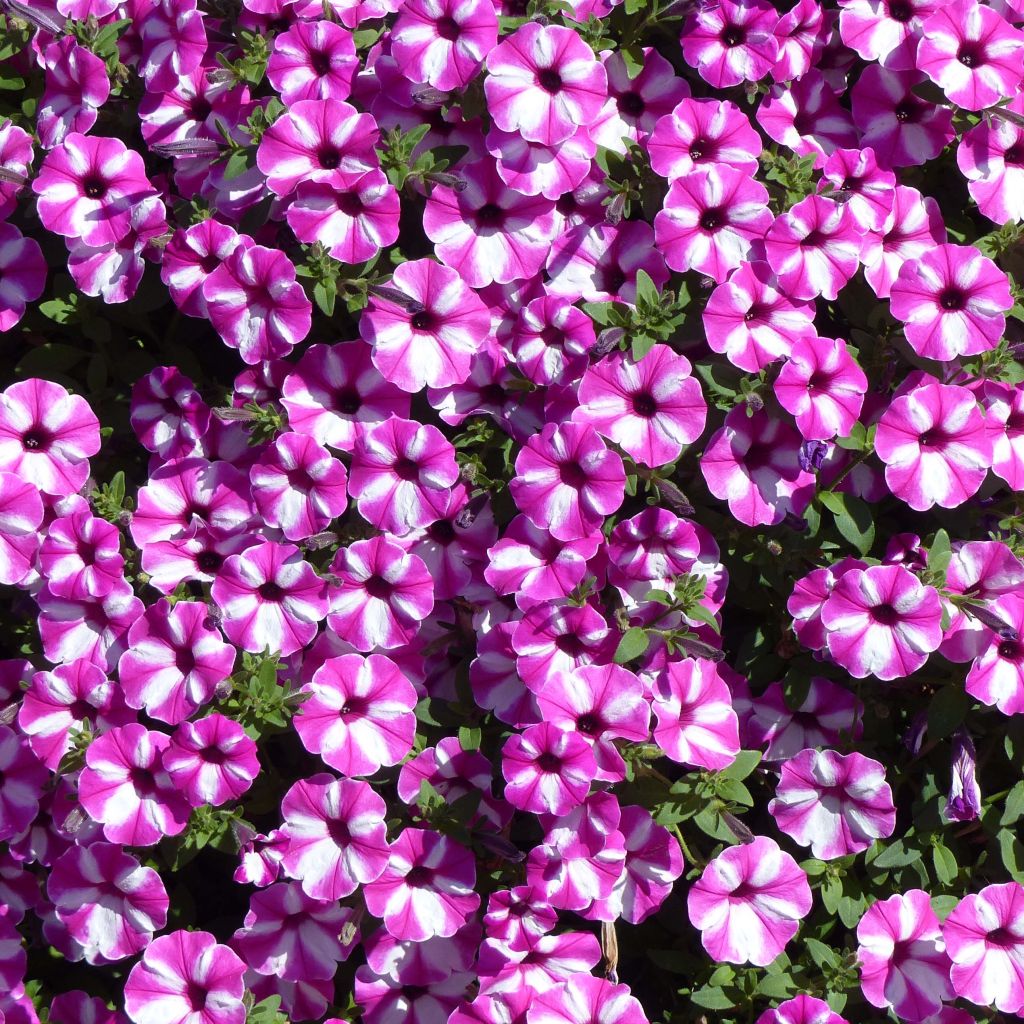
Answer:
(935, 444)
(882, 621)
(837, 804)
(567, 480)
(749, 902)
(544, 82)
(359, 715)
(186, 978)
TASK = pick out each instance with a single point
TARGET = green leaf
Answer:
(832, 894)
(325, 293)
(852, 517)
(946, 711)
(946, 867)
(821, 954)
(940, 553)
(633, 643)
(646, 289)
(896, 855)
(641, 345)
(776, 986)
(237, 165)
(469, 738)
(712, 998)
(1013, 809)
(851, 910)
(746, 761)
(632, 56)
(944, 906)
(701, 613)
(735, 792)
(1012, 854)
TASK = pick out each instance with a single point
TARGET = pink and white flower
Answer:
(76, 87)
(359, 715)
(426, 888)
(212, 760)
(972, 53)
(443, 42)
(383, 594)
(823, 387)
(270, 598)
(881, 621)
(935, 444)
(298, 486)
(21, 515)
(584, 999)
(22, 274)
(547, 769)
(567, 480)
(124, 786)
(703, 131)
(256, 304)
(336, 839)
(835, 803)
(696, 721)
(749, 902)
(903, 956)
(110, 904)
(753, 463)
(87, 188)
(952, 302)
(186, 978)
(731, 42)
(47, 436)
(24, 777)
(174, 661)
(544, 82)
(313, 60)
(984, 938)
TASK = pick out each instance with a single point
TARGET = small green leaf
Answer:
(1013, 809)
(469, 738)
(237, 165)
(641, 345)
(646, 289)
(821, 954)
(633, 643)
(745, 762)
(712, 998)
(940, 553)
(946, 867)
(946, 711)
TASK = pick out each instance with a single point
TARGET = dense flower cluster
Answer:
(509, 511)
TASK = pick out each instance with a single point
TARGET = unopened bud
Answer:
(616, 210)
(467, 516)
(321, 540)
(33, 15)
(993, 621)
(737, 828)
(187, 147)
(674, 498)
(230, 413)
(429, 96)
(399, 298)
(12, 177)
(610, 338)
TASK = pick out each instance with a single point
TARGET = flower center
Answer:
(352, 707)
(448, 28)
(631, 104)
(339, 832)
(213, 755)
(907, 111)
(184, 661)
(548, 762)
(208, 561)
(970, 56)
(589, 724)
(94, 187)
(350, 204)
(885, 614)
(1002, 937)
(712, 219)
(1014, 155)
(489, 215)
(200, 108)
(407, 469)
(195, 996)
(320, 62)
(442, 532)
(377, 586)
(143, 781)
(423, 320)
(699, 148)
(571, 474)
(81, 709)
(549, 80)
(270, 591)
(644, 404)
(733, 35)
(900, 10)
(569, 643)
(952, 299)
(348, 402)
(419, 877)
(329, 158)
(1010, 650)
(36, 439)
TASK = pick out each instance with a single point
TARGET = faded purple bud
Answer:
(694, 648)
(737, 828)
(994, 622)
(812, 455)
(187, 147)
(32, 14)
(608, 339)
(913, 738)
(428, 96)
(12, 177)
(905, 549)
(499, 847)
(467, 516)
(964, 803)
(674, 498)
(399, 298)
